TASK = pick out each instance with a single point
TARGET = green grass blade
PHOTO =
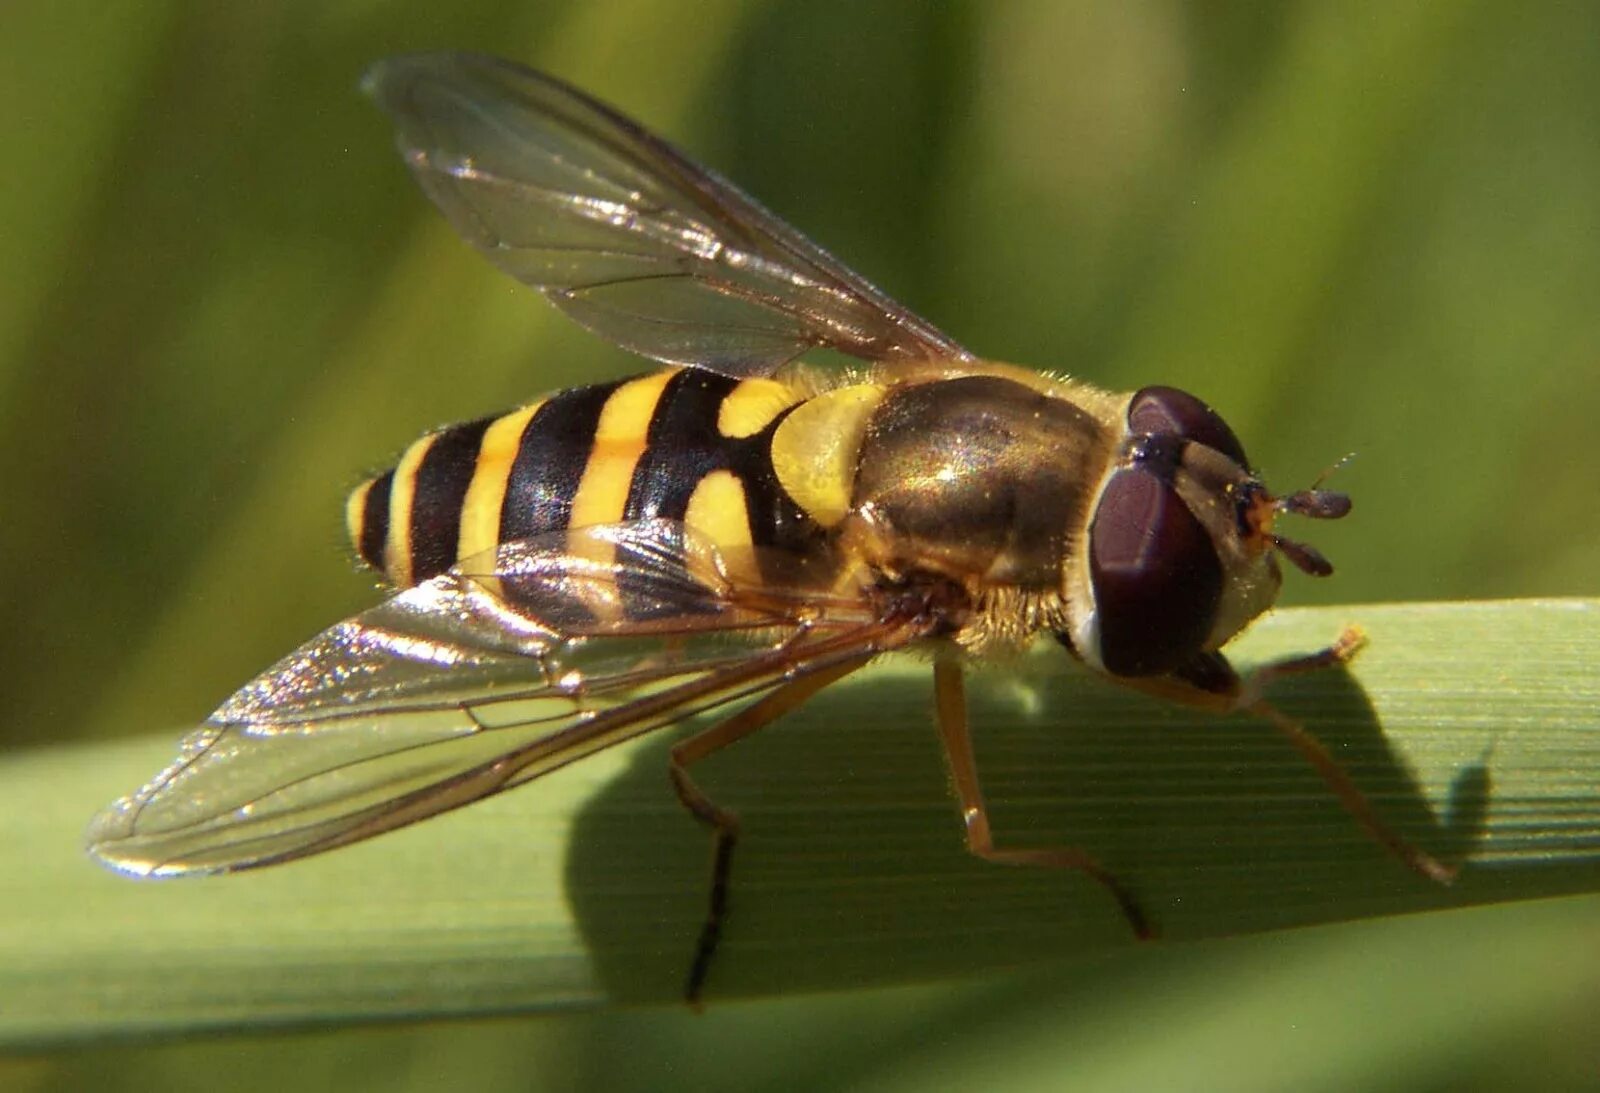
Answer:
(1473, 727)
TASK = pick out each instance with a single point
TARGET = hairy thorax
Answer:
(980, 481)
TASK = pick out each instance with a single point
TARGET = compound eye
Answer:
(1157, 410)
(1156, 577)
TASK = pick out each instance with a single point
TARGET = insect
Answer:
(728, 535)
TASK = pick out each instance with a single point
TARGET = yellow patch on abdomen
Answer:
(717, 510)
(402, 491)
(355, 514)
(619, 441)
(751, 406)
(497, 454)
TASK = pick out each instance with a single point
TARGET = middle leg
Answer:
(951, 702)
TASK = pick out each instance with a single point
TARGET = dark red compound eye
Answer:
(1167, 410)
(1157, 579)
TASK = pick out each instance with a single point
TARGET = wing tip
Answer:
(385, 77)
(126, 866)
(107, 837)
(382, 80)
(113, 844)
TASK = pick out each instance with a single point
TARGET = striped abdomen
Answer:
(680, 444)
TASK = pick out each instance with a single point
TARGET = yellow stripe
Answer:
(751, 406)
(355, 514)
(619, 441)
(486, 495)
(719, 513)
(717, 510)
(397, 550)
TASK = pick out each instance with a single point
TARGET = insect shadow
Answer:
(851, 869)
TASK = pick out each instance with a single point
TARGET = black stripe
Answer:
(684, 445)
(775, 520)
(375, 520)
(439, 491)
(551, 457)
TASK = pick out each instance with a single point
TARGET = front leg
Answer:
(1209, 682)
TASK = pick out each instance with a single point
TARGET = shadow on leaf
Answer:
(851, 870)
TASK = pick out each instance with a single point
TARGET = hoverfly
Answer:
(729, 535)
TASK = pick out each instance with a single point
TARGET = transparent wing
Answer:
(622, 231)
(480, 679)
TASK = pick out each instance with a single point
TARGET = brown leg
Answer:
(1342, 651)
(1214, 685)
(951, 701)
(724, 824)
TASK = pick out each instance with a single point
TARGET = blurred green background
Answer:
(1369, 228)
